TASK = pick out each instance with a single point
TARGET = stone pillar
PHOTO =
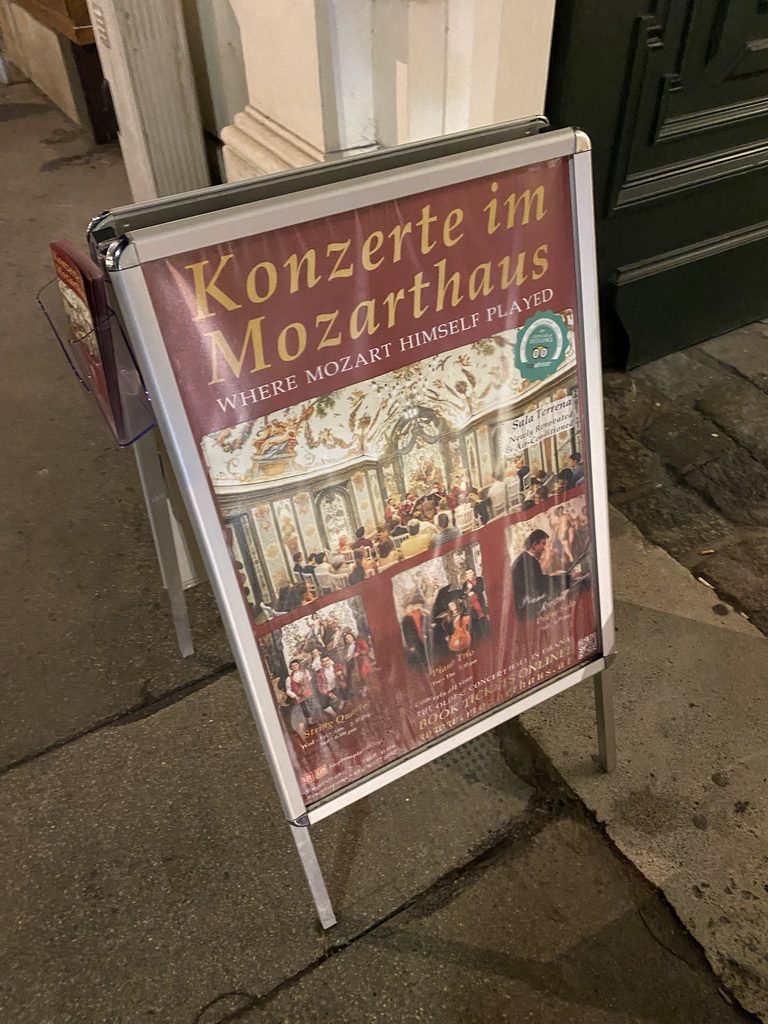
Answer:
(443, 66)
(329, 78)
(145, 57)
(308, 71)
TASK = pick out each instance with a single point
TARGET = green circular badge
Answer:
(541, 345)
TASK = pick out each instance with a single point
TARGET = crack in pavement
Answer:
(516, 836)
(139, 711)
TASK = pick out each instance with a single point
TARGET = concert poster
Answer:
(89, 344)
(389, 406)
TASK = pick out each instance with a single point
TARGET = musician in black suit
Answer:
(473, 591)
(415, 626)
(533, 589)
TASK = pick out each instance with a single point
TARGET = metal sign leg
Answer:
(606, 732)
(314, 874)
(156, 497)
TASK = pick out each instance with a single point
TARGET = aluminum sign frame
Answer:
(158, 240)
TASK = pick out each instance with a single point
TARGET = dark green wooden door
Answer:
(674, 94)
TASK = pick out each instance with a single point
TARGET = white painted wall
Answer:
(448, 65)
(282, 65)
(218, 64)
(523, 58)
(39, 52)
(332, 77)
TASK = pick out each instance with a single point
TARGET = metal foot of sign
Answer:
(313, 874)
(606, 732)
(158, 508)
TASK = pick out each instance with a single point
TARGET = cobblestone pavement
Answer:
(687, 444)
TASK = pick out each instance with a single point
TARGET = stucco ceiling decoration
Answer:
(362, 423)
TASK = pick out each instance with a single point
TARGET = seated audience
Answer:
(361, 541)
(415, 542)
(563, 481)
(576, 467)
(358, 573)
(397, 528)
(445, 531)
(388, 554)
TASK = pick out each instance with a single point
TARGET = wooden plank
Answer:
(70, 17)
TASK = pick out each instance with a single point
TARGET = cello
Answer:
(460, 639)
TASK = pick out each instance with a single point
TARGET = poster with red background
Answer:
(388, 403)
(88, 345)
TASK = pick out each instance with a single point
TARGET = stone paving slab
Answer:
(87, 629)
(744, 350)
(679, 521)
(555, 932)
(698, 377)
(684, 440)
(688, 802)
(145, 870)
(681, 377)
(684, 443)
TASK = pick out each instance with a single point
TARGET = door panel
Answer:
(674, 94)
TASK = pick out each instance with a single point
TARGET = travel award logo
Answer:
(541, 346)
